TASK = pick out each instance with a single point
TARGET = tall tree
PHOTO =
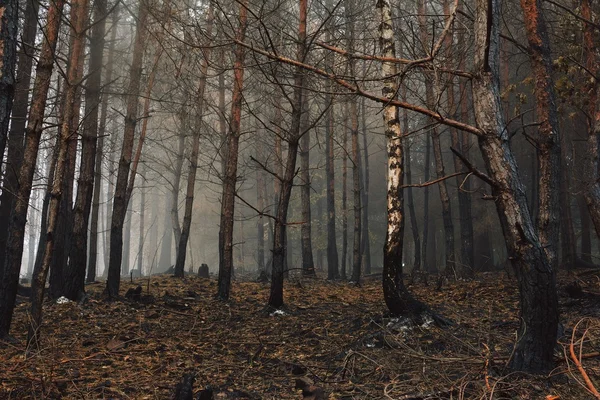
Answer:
(18, 122)
(191, 182)
(308, 266)
(14, 245)
(548, 142)
(121, 200)
(74, 274)
(70, 119)
(230, 176)
(294, 136)
(9, 21)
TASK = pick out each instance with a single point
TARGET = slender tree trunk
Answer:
(177, 180)
(409, 192)
(14, 245)
(366, 242)
(536, 277)
(332, 252)
(18, 119)
(142, 236)
(121, 200)
(191, 182)
(396, 296)
(230, 177)
(356, 190)
(74, 274)
(261, 190)
(78, 21)
(426, 210)
(295, 134)
(100, 7)
(308, 266)
(126, 259)
(165, 258)
(345, 201)
(549, 138)
(9, 21)
(567, 233)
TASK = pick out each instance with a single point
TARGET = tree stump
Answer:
(203, 271)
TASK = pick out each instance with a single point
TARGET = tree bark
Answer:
(74, 274)
(9, 21)
(230, 177)
(121, 200)
(14, 245)
(409, 193)
(295, 134)
(345, 200)
(592, 161)
(366, 241)
(100, 7)
(70, 119)
(18, 119)
(536, 277)
(549, 138)
(191, 182)
(308, 266)
(396, 296)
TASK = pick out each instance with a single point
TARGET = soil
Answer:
(334, 336)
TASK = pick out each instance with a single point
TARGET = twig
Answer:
(577, 362)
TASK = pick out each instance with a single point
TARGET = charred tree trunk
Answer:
(9, 21)
(121, 199)
(230, 178)
(409, 193)
(426, 210)
(366, 242)
(78, 21)
(308, 266)
(592, 162)
(356, 256)
(549, 138)
(18, 119)
(74, 274)
(261, 190)
(295, 134)
(536, 277)
(191, 182)
(345, 202)
(584, 218)
(100, 8)
(14, 245)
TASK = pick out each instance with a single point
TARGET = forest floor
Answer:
(337, 335)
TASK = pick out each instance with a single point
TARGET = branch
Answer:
(357, 90)
(443, 178)
(473, 168)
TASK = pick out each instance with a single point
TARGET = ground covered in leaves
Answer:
(335, 334)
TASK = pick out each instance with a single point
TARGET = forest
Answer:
(283, 199)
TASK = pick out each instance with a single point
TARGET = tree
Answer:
(121, 199)
(230, 176)
(9, 20)
(78, 21)
(191, 182)
(14, 245)
(74, 274)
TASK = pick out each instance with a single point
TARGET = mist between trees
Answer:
(286, 138)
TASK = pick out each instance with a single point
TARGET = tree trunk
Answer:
(366, 242)
(191, 182)
(295, 134)
(74, 274)
(592, 161)
(426, 210)
(100, 7)
(409, 193)
(356, 190)
(584, 218)
(121, 199)
(14, 245)
(308, 266)
(165, 258)
(142, 211)
(261, 190)
(18, 119)
(396, 296)
(9, 21)
(230, 177)
(345, 201)
(536, 277)
(548, 142)
(78, 22)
